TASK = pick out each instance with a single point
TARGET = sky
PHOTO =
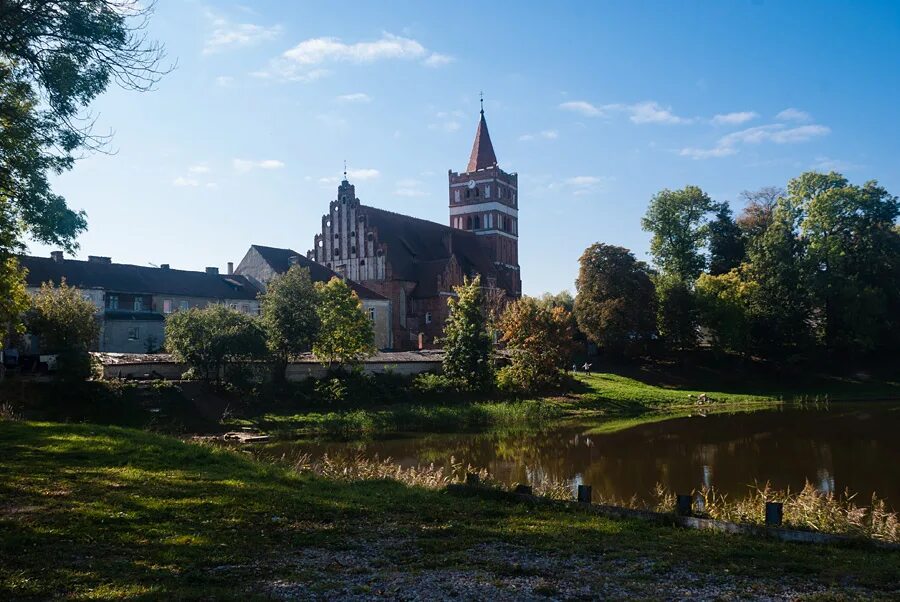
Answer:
(596, 105)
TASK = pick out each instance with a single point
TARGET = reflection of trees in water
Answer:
(837, 449)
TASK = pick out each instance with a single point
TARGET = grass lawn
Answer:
(92, 512)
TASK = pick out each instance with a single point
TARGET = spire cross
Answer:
(345, 169)
(481, 97)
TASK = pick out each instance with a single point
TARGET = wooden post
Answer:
(774, 514)
(472, 479)
(523, 489)
(684, 505)
(585, 494)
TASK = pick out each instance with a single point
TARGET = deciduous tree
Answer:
(345, 335)
(678, 221)
(615, 306)
(289, 316)
(539, 339)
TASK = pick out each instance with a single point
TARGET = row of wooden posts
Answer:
(684, 503)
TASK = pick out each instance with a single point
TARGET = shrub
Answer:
(467, 345)
(540, 342)
(346, 334)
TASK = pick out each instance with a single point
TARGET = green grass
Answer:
(91, 512)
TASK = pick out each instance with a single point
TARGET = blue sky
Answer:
(596, 105)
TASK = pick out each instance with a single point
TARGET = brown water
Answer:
(855, 446)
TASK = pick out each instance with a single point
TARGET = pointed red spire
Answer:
(482, 151)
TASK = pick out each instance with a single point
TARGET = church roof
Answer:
(280, 262)
(482, 155)
(418, 250)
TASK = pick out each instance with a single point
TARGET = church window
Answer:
(362, 262)
(456, 195)
(353, 235)
(370, 236)
(336, 235)
(328, 224)
(343, 198)
(321, 243)
(337, 252)
(371, 314)
(476, 192)
(467, 193)
(487, 192)
(469, 223)
(476, 221)
(353, 250)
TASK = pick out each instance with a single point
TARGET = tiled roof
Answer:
(124, 278)
(280, 262)
(482, 155)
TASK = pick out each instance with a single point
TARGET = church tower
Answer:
(484, 200)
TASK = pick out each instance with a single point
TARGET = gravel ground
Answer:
(500, 572)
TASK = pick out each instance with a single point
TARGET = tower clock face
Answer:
(471, 184)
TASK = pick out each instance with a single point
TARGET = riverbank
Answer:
(103, 512)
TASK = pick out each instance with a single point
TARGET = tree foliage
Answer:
(539, 339)
(726, 243)
(724, 307)
(616, 305)
(467, 344)
(676, 312)
(346, 335)
(66, 324)
(208, 340)
(289, 316)
(678, 221)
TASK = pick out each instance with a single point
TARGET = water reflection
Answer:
(845, 446)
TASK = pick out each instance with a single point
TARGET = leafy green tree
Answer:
(678, 221)
(616, 305)
(677, 319)
(13, 297)
(780, 301)
(563, 299)
(289, 316)
(66, 324)
(540, 341)
(852, 257)
(724, 306)
(211, 339)
(759, 211)
(467, 344)
(726, 245)
(346, 335)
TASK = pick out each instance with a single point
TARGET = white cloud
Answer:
(199, 168)
(448, 121)
(438, 60)
(651, 112)
(185, 182)
(582, 185)
(776, 133)
(410, 188)
(546, 135)
(298, 62)
(245, 165)
(353, 175)
(355, 97)
(792, 114)
(734, 118)
(581, 106)
(237, 35)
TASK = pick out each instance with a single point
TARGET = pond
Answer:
(841, 446)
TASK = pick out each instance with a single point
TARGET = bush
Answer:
(208, 340)
(429, 383)
(540, 343)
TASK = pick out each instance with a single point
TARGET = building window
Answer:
(487, 192)
(476, 192)
(337, 252)
(476, 222)
(138, 304)
(456, 195)
(167, 306)
(371, 314)
(134, 333)
(183, 305)
(469, 223)
(467, 193)
(245, 308)
(112, 302)
(428, 317)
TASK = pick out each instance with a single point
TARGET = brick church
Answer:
(415, 263)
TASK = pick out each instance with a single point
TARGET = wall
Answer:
(116, 335)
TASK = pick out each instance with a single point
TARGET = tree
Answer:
(724, 305)
(678, 221)
(726, 245)
(13, 297)
(852, 256)
(540, 341)
(289, 317)
(346, 335)
(467, 345)
(563, 299)
(615, 306)
(56, 57)
(759, 210)
(676, 312)
(66, 324)
(208, 340)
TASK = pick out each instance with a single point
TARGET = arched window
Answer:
(337, 252)
(467, 193)
(477, 222)
(476, 192)
(469, 223)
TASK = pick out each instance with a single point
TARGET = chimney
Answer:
(164, 266)
(56, 256)
(98, 259)
(230, 268)
(213, 271)
(294, 260)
